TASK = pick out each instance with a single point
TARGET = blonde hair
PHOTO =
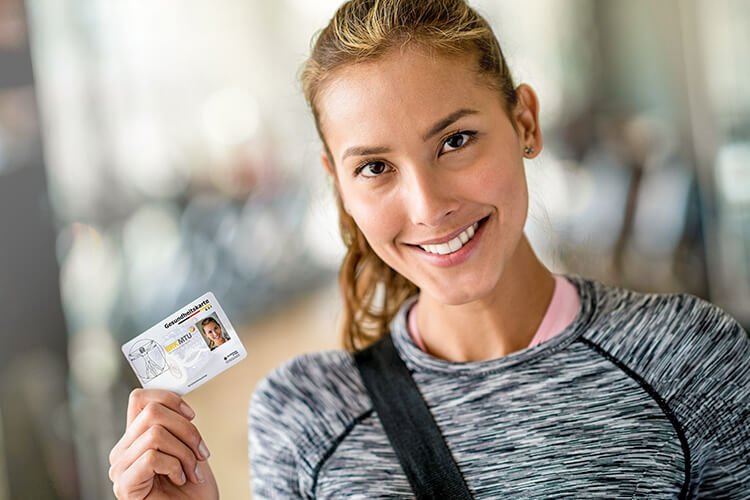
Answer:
(362, 31)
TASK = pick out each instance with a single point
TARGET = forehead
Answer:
(408, 87)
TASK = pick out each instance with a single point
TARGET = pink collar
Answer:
(562, 310)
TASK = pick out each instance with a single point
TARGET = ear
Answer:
(327, 164)
(526, 114)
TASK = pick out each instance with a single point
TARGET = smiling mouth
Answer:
(456, 243)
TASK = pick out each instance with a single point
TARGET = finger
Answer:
(176, 424)
(160, 439)
(141, 473)
(157, 414)
(139, 398)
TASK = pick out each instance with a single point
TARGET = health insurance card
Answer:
(186, 349)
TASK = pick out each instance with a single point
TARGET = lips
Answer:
(452, 243)
(456, 257)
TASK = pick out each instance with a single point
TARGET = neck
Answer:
(502, 322)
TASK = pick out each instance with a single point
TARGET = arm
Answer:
(273, 460)
(721, 410)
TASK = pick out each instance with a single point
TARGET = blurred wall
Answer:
(36, 448)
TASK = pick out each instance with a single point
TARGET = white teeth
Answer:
(443, 248)
(453, 245)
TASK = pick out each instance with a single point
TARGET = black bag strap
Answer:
(409, 425)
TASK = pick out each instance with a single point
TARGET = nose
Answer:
(429, 198)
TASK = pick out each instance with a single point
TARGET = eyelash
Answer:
(470, 133)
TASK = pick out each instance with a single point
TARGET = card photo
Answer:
(213, 332)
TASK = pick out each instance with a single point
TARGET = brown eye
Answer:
(372, 169)
(457, 141)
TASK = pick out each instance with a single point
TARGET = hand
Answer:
(162, 454)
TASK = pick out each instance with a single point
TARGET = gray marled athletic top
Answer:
(642, 396)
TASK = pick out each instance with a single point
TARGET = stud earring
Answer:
(528, 150)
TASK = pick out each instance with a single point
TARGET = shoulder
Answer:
(696, 358)
(633, 325)
(313, 395)
(679, 343)
(318, 376)
(298, 413)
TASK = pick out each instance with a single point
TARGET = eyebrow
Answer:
(435, 129)
(447, 121)
(364, 151)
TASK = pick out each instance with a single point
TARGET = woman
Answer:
(541, 385)
(213, 333)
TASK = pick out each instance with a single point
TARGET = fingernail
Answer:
(186, 410)
(183, 478)
(198, 473)
(203, 449)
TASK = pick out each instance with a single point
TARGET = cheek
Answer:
(378, 221)
(375, 215)
(500, 183)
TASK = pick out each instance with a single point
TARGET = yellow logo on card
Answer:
(179, 342)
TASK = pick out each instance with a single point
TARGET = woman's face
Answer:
(213, 331)
(430, 167)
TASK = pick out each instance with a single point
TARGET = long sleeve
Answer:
(299, 413)
(642, 396)
(272, 455)
(722, 416)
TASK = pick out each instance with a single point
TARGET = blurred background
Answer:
(152, 151)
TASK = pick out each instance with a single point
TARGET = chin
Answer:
(458, 295)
